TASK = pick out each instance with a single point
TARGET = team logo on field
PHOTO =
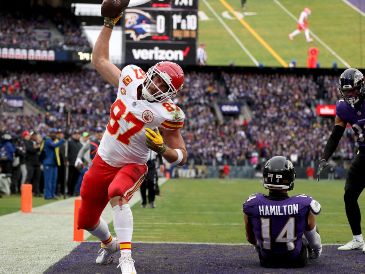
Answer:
(123, 91)
(147, 116)
(127, 80)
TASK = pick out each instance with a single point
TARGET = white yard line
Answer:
(32, 242)
(354, 7)
(195, 223)
(314, 35)
(232, 34)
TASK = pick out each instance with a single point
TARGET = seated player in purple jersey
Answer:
(350, 110)
(282, 228)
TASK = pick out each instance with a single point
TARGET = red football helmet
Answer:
(172, 75)
(307, 11)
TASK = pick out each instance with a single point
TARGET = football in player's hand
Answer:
(113, 8)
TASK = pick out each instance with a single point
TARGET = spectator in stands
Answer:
(51, 159)
(32, 151)
(61, 169)
(17, 163)
(7, 151)
(74, 147)
(310, 172)
(87, 154)
(273, 99)
(226, 171)
(150, 180)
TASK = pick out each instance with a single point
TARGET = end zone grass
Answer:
(210, 211)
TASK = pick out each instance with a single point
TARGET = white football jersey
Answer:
(124, 140)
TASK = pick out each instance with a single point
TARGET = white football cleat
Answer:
(352, 245)
(105, 254)
(126, 264)
(363, 249)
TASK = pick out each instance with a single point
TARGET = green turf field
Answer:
(10, 204)
(211, 211)
(338, 32)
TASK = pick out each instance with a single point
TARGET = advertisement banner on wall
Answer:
(150, 53)
(230, 109)
(45, 55)
(326, 110)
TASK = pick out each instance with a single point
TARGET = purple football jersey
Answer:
(355, 117)
(279, 225)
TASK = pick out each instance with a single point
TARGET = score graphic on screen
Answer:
(162, 30)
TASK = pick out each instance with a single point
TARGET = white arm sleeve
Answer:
(134, 3)
(314, 239)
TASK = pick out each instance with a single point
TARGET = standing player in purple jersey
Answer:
(282, 228)
(350, 110)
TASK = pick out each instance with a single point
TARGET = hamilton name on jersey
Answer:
(278, 210)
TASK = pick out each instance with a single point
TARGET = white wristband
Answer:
(134, 3)
(180, 157)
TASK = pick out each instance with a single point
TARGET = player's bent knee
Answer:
(86, 221)
(115, 192)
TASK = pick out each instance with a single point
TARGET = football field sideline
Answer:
(33, 242)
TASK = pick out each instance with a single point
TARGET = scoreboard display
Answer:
(161, 30)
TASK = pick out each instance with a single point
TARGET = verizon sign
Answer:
(159, 54)
(326, 110)
(137, 53)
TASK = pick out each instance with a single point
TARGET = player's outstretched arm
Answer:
(112, 12)
(100, 58)
(331, 145)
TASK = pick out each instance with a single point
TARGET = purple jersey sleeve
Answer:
(355, 117)
(342, 110)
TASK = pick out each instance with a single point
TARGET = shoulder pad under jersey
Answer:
(315, 207)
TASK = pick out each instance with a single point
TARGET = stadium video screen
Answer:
(283, 33)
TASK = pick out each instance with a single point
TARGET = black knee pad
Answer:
(351, 195)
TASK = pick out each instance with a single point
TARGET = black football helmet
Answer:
(352, 87)
(279, 174)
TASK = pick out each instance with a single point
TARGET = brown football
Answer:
(112, 8)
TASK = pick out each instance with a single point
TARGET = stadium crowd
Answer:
(43, 25)
(282, 110)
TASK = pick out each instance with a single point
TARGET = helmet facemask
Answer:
(159, 95)
(351, 87)
(351, 95)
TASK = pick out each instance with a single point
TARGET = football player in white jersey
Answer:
(302, 25)
(143, 117)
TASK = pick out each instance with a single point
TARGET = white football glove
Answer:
(78, 162)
